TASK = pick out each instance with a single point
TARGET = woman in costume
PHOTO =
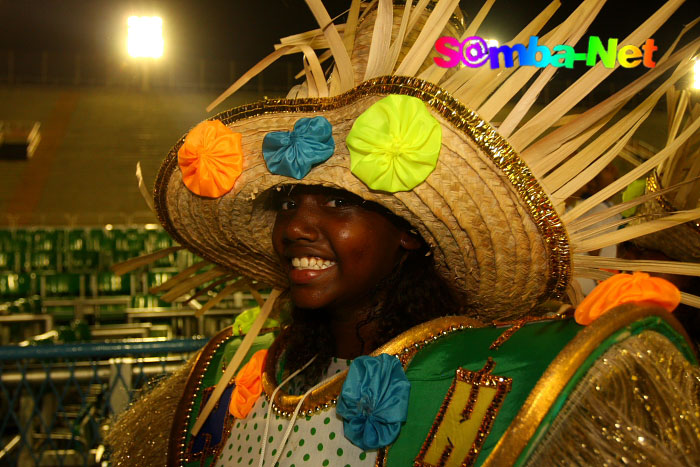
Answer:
(339, 194)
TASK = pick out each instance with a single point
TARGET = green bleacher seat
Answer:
(82, 260)
(5, 240)
(111, 313)
(20, 245)
(62, 285)
(99, 240)
(45, 240)
(109, 283)
(155, 279)
(7, 261)
(61, 312)
(135, 240)
(77, 240)
(148, 302)
(119, 256)
(43, 261)
(16, 285)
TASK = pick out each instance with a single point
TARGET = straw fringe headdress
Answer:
(493, 207)
(679, 178)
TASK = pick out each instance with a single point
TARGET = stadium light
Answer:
(145, 36)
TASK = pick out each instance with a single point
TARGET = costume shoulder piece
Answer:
(624, 390)
(541, 395)
(184, 449)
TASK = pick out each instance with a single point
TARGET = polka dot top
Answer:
(315, 440)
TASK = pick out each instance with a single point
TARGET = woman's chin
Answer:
(302, 298)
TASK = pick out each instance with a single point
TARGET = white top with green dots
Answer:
(316, 440)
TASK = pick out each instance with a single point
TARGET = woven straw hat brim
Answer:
(681, 242)
(493, 230)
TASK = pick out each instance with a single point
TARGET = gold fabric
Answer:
(638, 405)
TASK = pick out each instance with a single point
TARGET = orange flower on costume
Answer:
(211, 159)
(625, 288)
(248, 385)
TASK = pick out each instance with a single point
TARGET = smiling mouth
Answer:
(311, 262)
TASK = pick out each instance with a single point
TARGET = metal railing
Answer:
(55, 399)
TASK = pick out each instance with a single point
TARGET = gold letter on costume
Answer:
(465, 418)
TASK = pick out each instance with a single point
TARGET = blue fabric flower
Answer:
(294, 153)
(374, 401)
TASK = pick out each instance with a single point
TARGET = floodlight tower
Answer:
(145, 42)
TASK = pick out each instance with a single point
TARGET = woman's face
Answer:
(333, 249)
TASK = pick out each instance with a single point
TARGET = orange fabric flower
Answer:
(625, 288)
(248, 385)
(211, 159)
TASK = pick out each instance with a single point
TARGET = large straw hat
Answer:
(495, 233)
(492, 208)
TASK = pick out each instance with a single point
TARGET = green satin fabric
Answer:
(524, 357)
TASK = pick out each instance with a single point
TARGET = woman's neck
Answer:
(351, 341)
(354, 332)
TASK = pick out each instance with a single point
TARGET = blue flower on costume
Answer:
(294, 153)
(374, 401)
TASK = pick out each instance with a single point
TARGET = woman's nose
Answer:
(302, 224)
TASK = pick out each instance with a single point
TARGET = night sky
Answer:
(245, 30)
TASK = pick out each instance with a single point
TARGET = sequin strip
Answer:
(478, 379)
(327, 395)
(474, 393)
(178, 435)
(452, 110)
(515, 326)
(653, 185)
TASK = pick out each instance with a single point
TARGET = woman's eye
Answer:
(286, 205)
(337, 203)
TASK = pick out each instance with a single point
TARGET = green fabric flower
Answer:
(245, 321)
(633, 190)
(394, 145)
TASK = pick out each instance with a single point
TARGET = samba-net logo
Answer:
(474, 52)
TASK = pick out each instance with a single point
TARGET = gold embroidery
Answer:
(518, 324)
(458, 433)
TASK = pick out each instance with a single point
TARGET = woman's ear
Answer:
(409, 241)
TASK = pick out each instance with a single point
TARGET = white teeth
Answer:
(310, 262)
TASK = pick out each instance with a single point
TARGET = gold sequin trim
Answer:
(514, 326)
(452, 110)
(477, 379)
(208, 449)
(177, 448)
